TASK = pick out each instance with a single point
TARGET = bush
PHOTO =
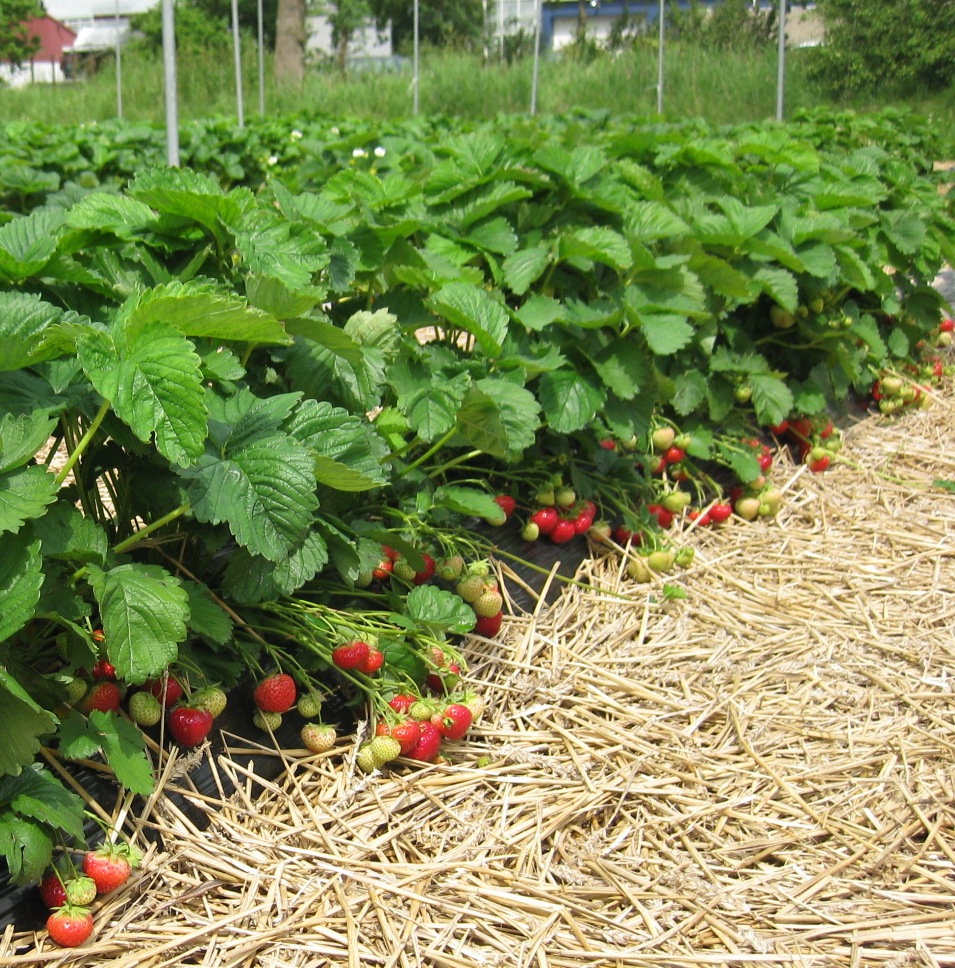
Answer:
(911, 42)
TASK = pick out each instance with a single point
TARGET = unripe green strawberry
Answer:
(661, 561)
(477, 704)
(318, 737)
(450, 568)
(81, 890)
(421, 710)
(144, 710)
(309, 705)
(365, 759)
(470, 588)
(402, 568)
(212, 699)
(565, 497)
(75, 690)
(487, 604)
(268, 722)
(385, 749)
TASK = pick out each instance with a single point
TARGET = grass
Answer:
(719, 86)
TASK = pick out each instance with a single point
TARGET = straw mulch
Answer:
(762, 773)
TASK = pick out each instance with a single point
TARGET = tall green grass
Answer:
(717, 85)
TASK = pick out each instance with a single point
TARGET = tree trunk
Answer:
(290, 43)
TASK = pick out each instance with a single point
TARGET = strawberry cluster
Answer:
(68, 892)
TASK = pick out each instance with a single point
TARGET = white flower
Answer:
(296, 135)
(379, 152)
(273, 159)
(358, 153)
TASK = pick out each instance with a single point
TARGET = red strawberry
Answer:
(104, 670)
(110, 866)
(167, 689)
(426, 573)
(445, 679)
(351, 655)
(373, 661)
(563, 531)
(70, 926)
(453, 721)
(408, 734)
(488, 626)
(53, 890)
(428, 745)
(720, 512)
(545, 519)
(383, 569)
(102, 697)
(189, 726)
(402, 702)
(673, 455)
(275, 694)
(819, 464)
(506, 503)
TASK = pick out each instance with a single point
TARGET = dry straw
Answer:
(762, 773)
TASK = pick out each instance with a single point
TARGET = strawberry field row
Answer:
(250, 418)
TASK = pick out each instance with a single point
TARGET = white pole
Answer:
(261, 30)
(169, 75)
(119, 66)
(660, 60)
(417, 66)
(237, 51)
(537, 56)
(781, 67)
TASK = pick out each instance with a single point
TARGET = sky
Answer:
(74, 10)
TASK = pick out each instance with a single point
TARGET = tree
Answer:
(290, 43)
(910, 42)
(17, 45)
(346, 17)
(442, 23)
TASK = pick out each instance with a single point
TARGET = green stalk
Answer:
(78, 451)
(431, 451)
(134, 539)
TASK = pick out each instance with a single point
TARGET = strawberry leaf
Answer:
(151, 376)
(27, 847)
(439, 610)
(36, 794)
(27, 242)
(24, 494)
(475, 311)
(22, 725)
(144, 611)
(569, 399)
(124, 747)
(21, 578)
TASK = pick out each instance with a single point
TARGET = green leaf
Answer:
(28, 242)
(189, 195)
(570, 401)
(27, 847)
(780, 285)
(596, 244)
(22, 725)
(252, 578)
(347, 451)
(21, 578)
(37, 795)
(649, 221)
(144, 610)
(153, 379)
(689, 392)
(77, 742)
(198, 313)
(772, 399)
(124, 747)
(465, 500)
(67, 533)
(474, 310)
(538, 312)
(206, 617)
(262, 484)
(525, 267)
(744, 465)
(666, 333)
(867, 329)
(905, 230)
(24, 494)
(431, 399)
(22, 436)
(27, 327)
(439, 609)
(624, 368)
(516, 415)
(121, 215)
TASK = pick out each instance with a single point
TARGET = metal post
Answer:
(119, 66)
(169, 76)
(781, 66)
(416, 65)
(535, 77)
(237, 51)
(261, 31)
(661, 33)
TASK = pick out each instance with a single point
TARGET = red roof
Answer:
(53, 35)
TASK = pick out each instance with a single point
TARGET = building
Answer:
(47, 63)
